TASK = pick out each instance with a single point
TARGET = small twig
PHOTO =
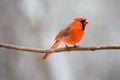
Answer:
(79, 48)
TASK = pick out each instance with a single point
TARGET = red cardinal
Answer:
(72, 34)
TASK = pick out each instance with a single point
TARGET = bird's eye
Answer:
(82, 21)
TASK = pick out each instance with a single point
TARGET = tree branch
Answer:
(79, 48)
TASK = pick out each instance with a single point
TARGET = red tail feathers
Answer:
(55, 45)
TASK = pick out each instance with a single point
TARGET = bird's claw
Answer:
(68, 48)
(75, 45)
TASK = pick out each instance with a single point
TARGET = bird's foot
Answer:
(75, 45)
(68, 48)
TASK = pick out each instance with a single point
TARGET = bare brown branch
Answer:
(79, 48)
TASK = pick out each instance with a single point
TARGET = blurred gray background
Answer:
(35, 23)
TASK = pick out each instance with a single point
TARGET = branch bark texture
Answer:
(78, 48)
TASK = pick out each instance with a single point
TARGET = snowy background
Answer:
(35, 23)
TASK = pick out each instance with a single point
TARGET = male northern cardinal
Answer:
(72, 34)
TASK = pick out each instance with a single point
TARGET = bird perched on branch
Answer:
(72, 34)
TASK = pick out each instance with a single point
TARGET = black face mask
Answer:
(83, 25)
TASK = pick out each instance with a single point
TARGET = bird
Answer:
(70, 35)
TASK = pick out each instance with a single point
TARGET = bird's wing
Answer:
(64, 32)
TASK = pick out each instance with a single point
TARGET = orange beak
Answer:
(86, 22)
